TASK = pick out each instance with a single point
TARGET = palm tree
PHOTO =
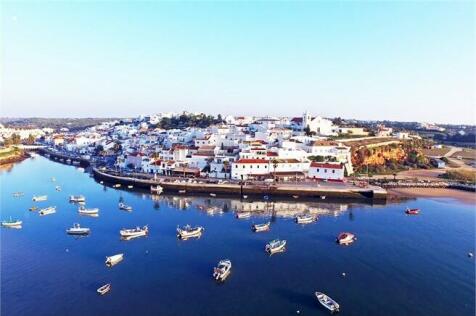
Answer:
(275, 165)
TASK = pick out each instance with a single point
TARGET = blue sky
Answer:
(367, 60)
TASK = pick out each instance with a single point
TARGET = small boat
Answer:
(157, 189)
(261, 227)
(243, 215)
(130, 186)
(58, 188)
(77, 198)
(18, 194)
(266, 197)
(134, 232)
(78, 230)
(12, 223)
(412, 211)
(327, 302)
(80, 169)
(125, 207)
(117, 185)
(104, 289)
(275, 246)
(213, 194)
(33, 208)
(88, 211)
(113, 260)
(47, 211)
(305, 219)
(346, 238)
(222, 271)
(39, 198)
(188, 231)
(323, 197)
(101, 182)
(182, 191)
(296, 196)
(53, 179)
(245, 196)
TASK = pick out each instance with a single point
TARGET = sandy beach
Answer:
(464, 196)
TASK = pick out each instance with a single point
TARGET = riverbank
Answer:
(12, 155)
(466, 197)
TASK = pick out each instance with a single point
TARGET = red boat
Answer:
(412, 211)
(346, 238)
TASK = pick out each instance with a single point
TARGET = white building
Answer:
(326, 171)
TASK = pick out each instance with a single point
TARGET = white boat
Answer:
(222, 271)
(113, 260)
(305, 219)
(157, 189)
(182, 191)
(117, 185)
(125, 207)
(39, 198)
(327, 302)
(48, 210)
(80, 169)
(243, 215)
(245, 196)
(275, 246)
(88, 211)
(12, 223)
(188, 231)
(18, 194)
(134, 232)
(77, 198)
(33, 155)
(130, 186)
(261, 227)
(346, 238)
(78, 230)
(104, 289)
(213, 194)
(58, 188)
(323, 197)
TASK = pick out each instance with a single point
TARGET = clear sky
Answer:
(409, 61)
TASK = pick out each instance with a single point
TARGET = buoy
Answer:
(470, 254)
(298, 312)
(147, 251)
(67, 250)
(343, 273)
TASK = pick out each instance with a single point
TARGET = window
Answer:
(265, 166)
(243, 166)
(333, 171)
(257, 166)
(325, 170)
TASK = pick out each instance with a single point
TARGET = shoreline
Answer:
(466, 197)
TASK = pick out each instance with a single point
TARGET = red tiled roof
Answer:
(252, 161)
(296, 119)
(326, 165)
(271, 154)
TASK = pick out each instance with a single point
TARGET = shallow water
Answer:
(400, 265)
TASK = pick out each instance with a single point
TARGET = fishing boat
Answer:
(261, 227)
(134, 232)
(188, 231)
(125, 207)
(323, 197)
(58, 188)
(87, 211)
(113, 260)
(243, 215)
(412, 211)
(182, 191)
(213, 194)
(47, 211)
(104, 289)
(77, 198)
(245, 196)
(33, 208)
(346, 238)
(117, 185)
(296, 196)
(275, 246)
(222, 271)
(157, 189)
(305, 219)
(39, 198)
(327, 302)
(12, 223)
(18, 194)
(78, 230)
(130, 186)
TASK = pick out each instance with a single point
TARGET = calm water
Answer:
(400, 265)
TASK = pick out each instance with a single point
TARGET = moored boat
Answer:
(327, 302)
(213, 194)
(117, 185)
(47, 211)
(243, 215)
(261, 227)
(33, 208)
(125, 207)
(346, 238)
(58, 188)
(130, 186)
(12, 223)
(104, 289)
(134, 232)
(296, 196)
(182, 191)
(115, 259)
(412, 211)
(39, 198)
(18, 194)
(78, 230)
(188, 231)
(275, 246)
(305, 219)
(77, 198)
(87, 211)
(157, 189)
(222, 271)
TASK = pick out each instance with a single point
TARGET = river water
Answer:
(399, 265)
